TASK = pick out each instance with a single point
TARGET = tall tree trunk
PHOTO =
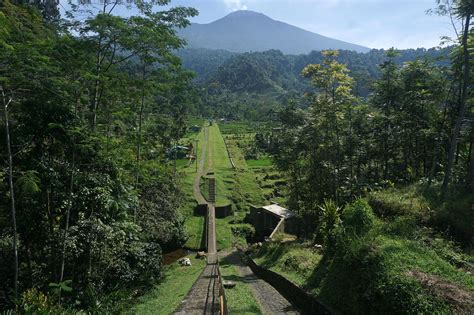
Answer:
(438, 141)
(462, 108)
(98, 69)
(139, 137)
(12, 192)
(351, 151)
(68, 214)
(470, 170)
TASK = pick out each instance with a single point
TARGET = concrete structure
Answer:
(271, 219)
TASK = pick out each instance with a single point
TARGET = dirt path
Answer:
(270, 300)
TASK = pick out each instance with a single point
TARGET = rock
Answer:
(201, 255)
(185, 261)
(229, 284)
(259, 244)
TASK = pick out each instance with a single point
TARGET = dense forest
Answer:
(373, 153)
(254, 83)
(89, 107)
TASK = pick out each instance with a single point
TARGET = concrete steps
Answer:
(212, 190)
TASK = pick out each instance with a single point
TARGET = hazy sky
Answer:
(372, 23)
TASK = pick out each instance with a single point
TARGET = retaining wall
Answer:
(223, 211)
(200, 209)
(295, 295)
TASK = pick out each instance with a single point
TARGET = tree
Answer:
(75, 187)
(463, 10)
(6, 103)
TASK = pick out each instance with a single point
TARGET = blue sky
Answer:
(373, 23)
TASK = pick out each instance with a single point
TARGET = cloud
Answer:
(235, 5)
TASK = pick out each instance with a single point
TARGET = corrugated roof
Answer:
(278, 210)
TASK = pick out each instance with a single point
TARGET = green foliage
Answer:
(96, 199)
(358, 218)
(423, 206)
(329, 222)
(376, 266)
(172, 289)
(243, 230)
(29, 183)
(294, 260)
(35, 302)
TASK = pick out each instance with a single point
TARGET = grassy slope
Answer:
(176, 283)
(236, 187)
(246, 191)
(217, 155)
(453, 214)
(260, 174)
(293, 260)
(380, 271)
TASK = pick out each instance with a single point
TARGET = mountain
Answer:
(244, 31)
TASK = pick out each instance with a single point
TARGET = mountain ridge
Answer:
(246, 31)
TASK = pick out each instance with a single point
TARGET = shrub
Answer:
(358, 217)
(329, 220)
(244, 230)
(35, 302)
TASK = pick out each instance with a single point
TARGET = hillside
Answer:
(245, 31)
(272, 71)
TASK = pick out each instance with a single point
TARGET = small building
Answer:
(194, 128)
(178, 152)
(268, 220)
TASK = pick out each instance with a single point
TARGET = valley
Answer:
(160, 158)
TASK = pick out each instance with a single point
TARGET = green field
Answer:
(237, 127)
(262, 162)
(168, 294)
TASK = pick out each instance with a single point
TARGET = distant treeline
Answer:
(272, 71)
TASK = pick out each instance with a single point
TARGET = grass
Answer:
(240, 300)
(225, 237)
(168, 294)
(453, 214)
(261, 175)
(236, 187)
(237, 127)
(246, 189)
(262, 162)
(293, 260)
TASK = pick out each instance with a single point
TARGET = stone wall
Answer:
(295, 295)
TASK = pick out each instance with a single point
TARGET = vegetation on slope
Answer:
(370, 265)
(174, 285)
(87, 200)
